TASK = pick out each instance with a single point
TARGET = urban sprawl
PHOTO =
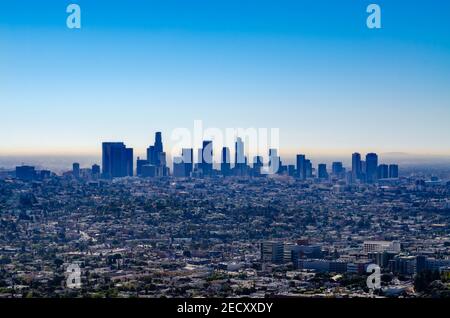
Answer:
(140, 229)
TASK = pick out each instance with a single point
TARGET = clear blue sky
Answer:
(311, 68)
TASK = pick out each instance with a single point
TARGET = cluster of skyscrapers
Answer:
(118, 162)
(369, 170)
(155, 165)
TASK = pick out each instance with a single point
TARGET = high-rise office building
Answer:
(187, 155)
(151, 155)
(179, 170)
(158, 142)
(156, 157)
(301, 167)
(421, 263)
(322, 171)
(308, 168)
(149, 171)
(162, 169)
(225, 165)
(240, 161)
(258, 163)
(337, 169)
(95, 170)
(162, 159)
(383, 171)
(76, 169)
(129, 161)
(393, 171)
(363, 170)
(291, 170)
(356, 166)
(272, 252)
(115, 160)
(139, 164)
(154, 152)
(25, 173)
(199, 158)
(371, 167)
(381, 246)
(207, 157)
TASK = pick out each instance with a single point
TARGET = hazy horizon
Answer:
(62, 163)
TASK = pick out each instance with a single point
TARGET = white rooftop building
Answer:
(381, 246)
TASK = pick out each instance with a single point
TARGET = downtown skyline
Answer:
(119, 161)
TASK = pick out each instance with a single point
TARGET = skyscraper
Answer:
(199, 158)
(129, 162)
(322, 171)
(149, 171)
(393, 171)
(239, 157)
(115, 157)
(139, 164)
(308, 169)
(25, 173)
(158, 142)
(95, 170)
(363, 170)
(371, 167)
(151, 158)
(225, 165)
(383, 171)
(337, 169)
(156, 157)
(291, 170)
(187, 156)
(257, 165)
(356, 166)
(272, 252)
(207, 157)
(301, 167)
(179, 170)
(76, 169)
(153, 152)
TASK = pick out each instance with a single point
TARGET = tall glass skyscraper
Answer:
(207, 157)
(225, 166)
(158, 142)
(187, 155)
(156, 157)
(322, 171)
(393, 171)
(117, 160)
(356, 166)
(301, 167)
(371, 167)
